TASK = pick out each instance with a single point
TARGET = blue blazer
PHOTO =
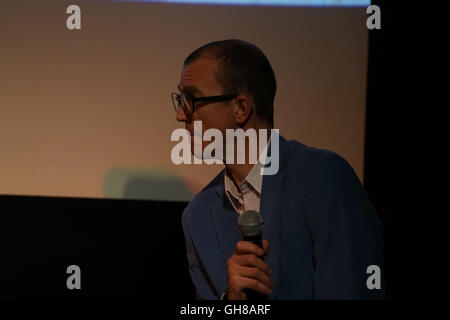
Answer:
(322, 229)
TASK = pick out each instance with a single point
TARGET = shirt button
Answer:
(244, 187)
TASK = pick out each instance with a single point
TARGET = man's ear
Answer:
(244, 109)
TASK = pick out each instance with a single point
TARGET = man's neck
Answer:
(240, 171)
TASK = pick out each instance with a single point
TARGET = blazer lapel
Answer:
(226, 228)
(271, 213)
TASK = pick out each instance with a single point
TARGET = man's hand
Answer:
(247, 271)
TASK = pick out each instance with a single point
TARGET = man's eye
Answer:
(189, 98)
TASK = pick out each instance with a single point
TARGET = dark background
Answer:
(135, 249)
(401, 175)
(126, 249)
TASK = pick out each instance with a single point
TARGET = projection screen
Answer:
(87, 113)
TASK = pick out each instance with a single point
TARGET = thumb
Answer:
(265, 244)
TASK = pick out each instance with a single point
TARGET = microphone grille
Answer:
(250, 223)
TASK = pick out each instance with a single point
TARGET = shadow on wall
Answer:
(152, 184)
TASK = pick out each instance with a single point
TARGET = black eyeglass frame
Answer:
(192, 100)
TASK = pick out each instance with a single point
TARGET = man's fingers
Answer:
(256, 285)
(250, 260)
(246, 247)
(265, 244)
(256, 274)
(247, 271)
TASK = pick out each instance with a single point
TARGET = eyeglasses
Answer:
(187, 102)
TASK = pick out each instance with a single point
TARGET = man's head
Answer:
(233, 68)
(229, 67)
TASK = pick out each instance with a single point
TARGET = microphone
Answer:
(251, 225)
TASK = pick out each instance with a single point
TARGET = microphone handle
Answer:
(255, 240)
(252, 294)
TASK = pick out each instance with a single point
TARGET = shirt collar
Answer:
(254, 177)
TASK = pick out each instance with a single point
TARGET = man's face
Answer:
(198, 79)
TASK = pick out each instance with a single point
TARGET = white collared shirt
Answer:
(246, 196)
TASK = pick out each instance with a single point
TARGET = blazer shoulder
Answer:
(306, 159)
(300, 150)
(322, 171)
(201, 201)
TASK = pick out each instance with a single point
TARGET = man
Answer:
(321, 228)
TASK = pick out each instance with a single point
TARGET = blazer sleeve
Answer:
(202, 283)
(345, 231)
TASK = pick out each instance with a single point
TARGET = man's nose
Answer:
(181, 116)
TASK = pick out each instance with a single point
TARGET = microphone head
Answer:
(250, 223)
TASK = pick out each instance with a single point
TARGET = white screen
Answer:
(88, 113)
